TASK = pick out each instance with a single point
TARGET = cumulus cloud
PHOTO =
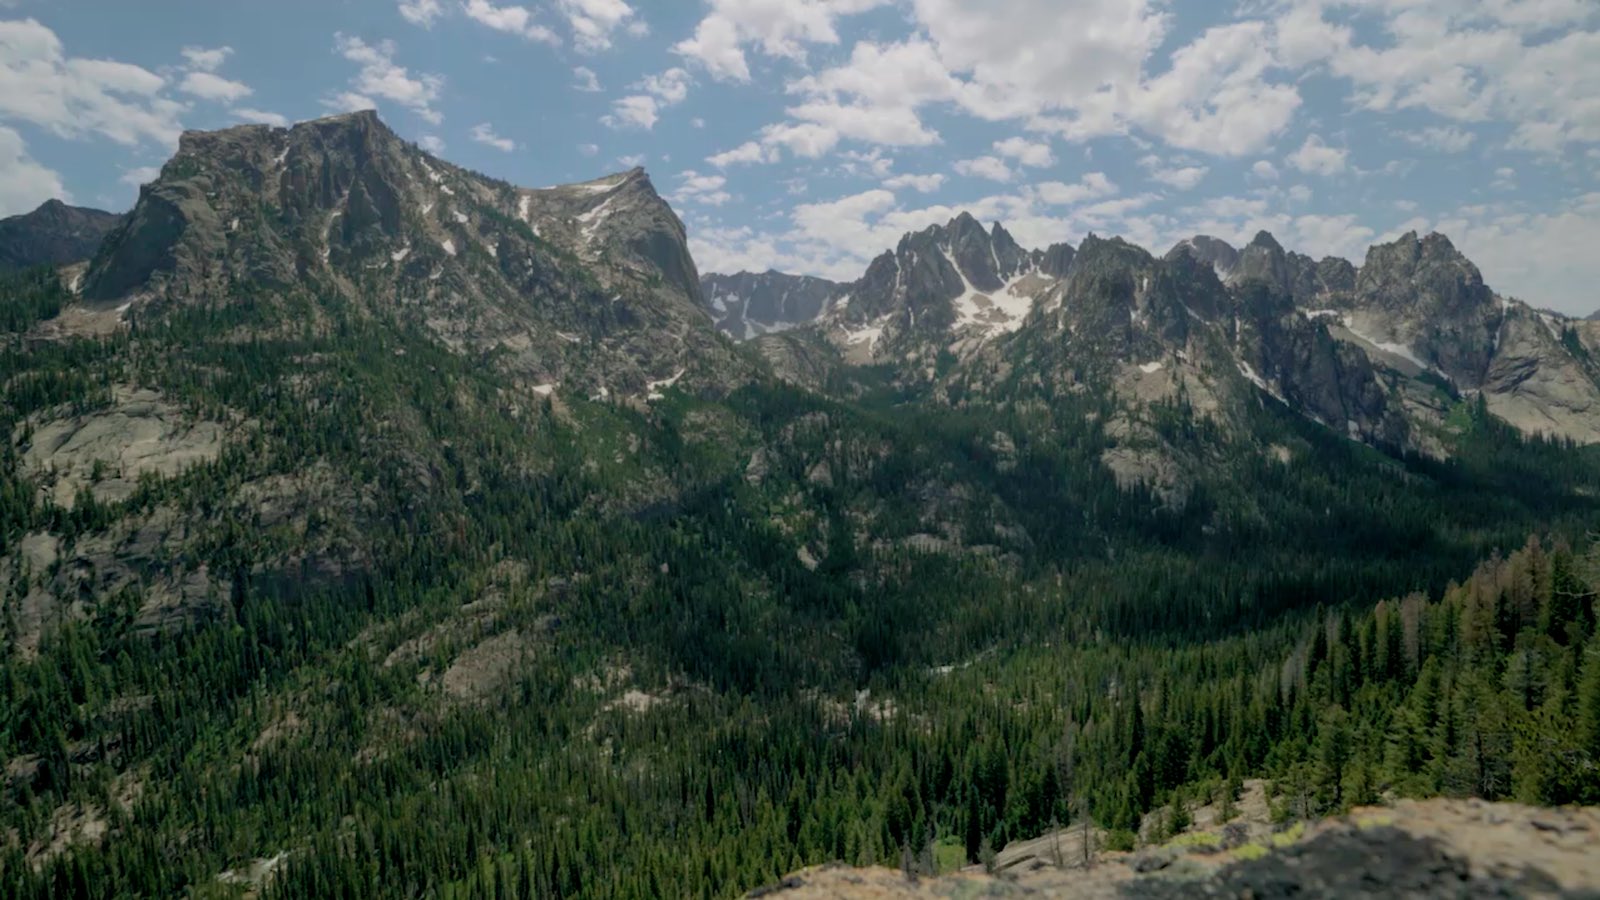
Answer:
(637, 111)
(642, 111)
(777, 29)
(1183, 178)
(517, 20)
(140, 176)
(706, 190)
(1448, 139)
(925, 184)
(73, 97)
(594, 21)
(1092, 186)
(421, 12)
(381, 78)
(1465, 60)
(1032, 154)
(210, 86)
(202, 59)
(991, 167)
(584, 79)
(1315, 157)
(484, 133)
(259, 116)
(24, 183)
(747, 153)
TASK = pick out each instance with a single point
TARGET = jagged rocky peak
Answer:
(53, 234)
(746, 305)
(1424, 272)
(1214, 252)
(951, 286)
(589, 284)
(1056, 261)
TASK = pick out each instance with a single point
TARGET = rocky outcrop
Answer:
(1426, 849)
(746, 305)
(54, 234)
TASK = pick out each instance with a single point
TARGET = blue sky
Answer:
(807, 135)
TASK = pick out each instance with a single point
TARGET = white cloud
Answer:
(1317, 158)
(1183, 178)
(1443, 139)
(749, 152)
(670, 87)
(201, 59)
(259, 116)
(589, 149)
(515, 20)
(380, 77)
(421, 12)
(24, 183)
(644, 110)
(806, 139)
(1264, 170)
(586, 80)
(1466, 60)
(629, 162)
(73, 97)
(1092, 186)
(140, 176)
(593, 21)
(484, 134)
(431, 143)
(209, 86)
(637, 111)
(779, 28)
(1032, 154)
(706, 190)
(1076, 68)
(925, 184)
(991, 167)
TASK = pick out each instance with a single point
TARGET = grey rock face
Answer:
(1218, 254)
(1424, 294)
(746, 305)
(1056, 262)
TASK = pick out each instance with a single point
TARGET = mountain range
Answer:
(371, 526)
(1381, 351)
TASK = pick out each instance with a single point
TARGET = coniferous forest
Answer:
(521, 646)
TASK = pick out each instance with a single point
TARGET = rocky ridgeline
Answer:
(583, 288)
(1383, 353)
(53, 234)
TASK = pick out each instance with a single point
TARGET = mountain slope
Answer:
(331, 564)
(54, 234)
(747, 304)
(589, 286)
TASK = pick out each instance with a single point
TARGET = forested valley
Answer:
(525, 646)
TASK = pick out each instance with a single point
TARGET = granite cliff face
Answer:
(54, 234)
